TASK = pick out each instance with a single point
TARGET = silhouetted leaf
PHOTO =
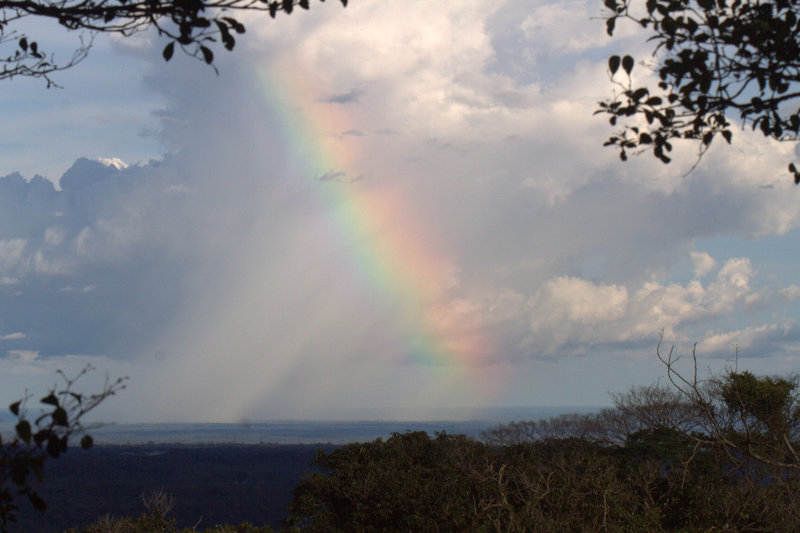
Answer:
(50, 399)
(208, 55)
(60, 417)
(37, 502)
(24, 430)
(53, 446)
(40, 436)
(613, 64)
(168, 51)
(237, 26)
(627, 64)
(226, 36)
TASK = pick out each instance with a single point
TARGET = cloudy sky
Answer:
(386, 211)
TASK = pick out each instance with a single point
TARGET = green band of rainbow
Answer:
(387, 255)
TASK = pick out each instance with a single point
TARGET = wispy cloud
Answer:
(350, 97)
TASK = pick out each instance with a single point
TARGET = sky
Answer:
(383, 211)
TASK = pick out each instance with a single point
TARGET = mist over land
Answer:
(322, 431)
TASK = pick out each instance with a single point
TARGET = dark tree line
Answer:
(702, 455)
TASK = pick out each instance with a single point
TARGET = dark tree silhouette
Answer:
(194, 26)
(752, 418)
(720, 63)
(23, 455)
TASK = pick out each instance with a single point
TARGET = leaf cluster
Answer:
(767, 404)
(194, 26)
(716, 61)
(23, 454)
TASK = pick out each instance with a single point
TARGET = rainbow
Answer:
(389, 253)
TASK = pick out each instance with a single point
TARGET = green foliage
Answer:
(452, 483)
(409, 482)
(664, 444)
(193, 26)
(655, 462)
(23, 456)
(715, 60)
(768, 400)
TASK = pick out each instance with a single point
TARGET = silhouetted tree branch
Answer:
(717, 61)
(194, 26)
(750, 417)
(22, 457)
